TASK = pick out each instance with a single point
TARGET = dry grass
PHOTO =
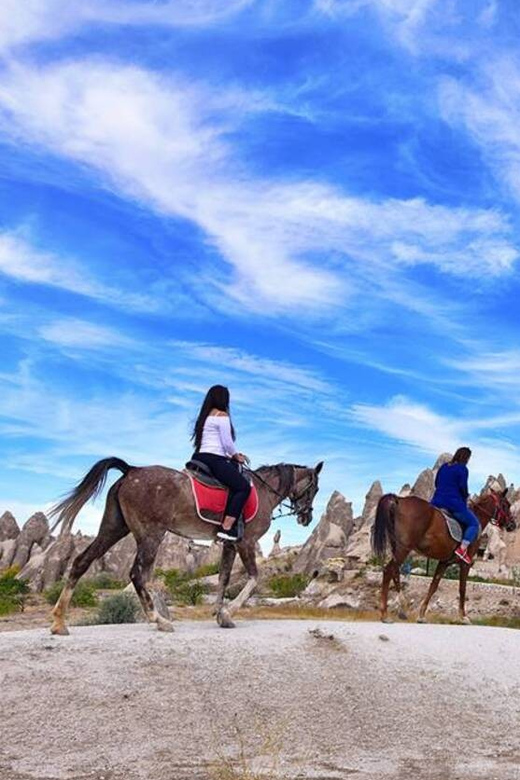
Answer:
(282, 612)
(243, 765)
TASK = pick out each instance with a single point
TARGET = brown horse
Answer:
(153, 500)
(411, 523)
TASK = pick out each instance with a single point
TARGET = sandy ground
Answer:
(398, 701)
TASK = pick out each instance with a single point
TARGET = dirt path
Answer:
(128, 703)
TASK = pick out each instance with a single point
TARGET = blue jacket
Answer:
(451, 487)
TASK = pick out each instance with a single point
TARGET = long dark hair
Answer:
(462, 455)
(217, 397)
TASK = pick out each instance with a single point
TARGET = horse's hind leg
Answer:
(402, 599)
(112, 529)
(390, 572)
(463, 578)
(140, 574)
(434, 584)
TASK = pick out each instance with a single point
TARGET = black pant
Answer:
(227, 472)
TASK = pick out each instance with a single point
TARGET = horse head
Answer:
(303, 490)
(502, 516)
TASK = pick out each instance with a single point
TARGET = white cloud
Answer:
(164, 142)
(261, 368)
(417, 425)
(489, 109)
(23, 262)
(72, 332)
(24, 22)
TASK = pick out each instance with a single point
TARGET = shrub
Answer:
(12, 591)
(190, 593)
(119, 608)
(206, 571)
(105, 581)
(84, 594)
(287, 585)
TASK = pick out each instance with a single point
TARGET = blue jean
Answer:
(470, 523)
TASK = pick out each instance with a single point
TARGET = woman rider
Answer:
(451, 493)
(214, 438)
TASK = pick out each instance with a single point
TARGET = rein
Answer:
(292, 505)
(491, 516)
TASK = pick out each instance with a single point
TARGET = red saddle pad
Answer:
(210, 502)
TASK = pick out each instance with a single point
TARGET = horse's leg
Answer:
(246, 550)
(112, 529)
(387, 576)
(390, 572)
(403, 606)
(226, 565)
(463, 578)
(434, 584)
(140, 574)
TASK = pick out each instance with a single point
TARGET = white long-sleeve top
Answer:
(216, 436)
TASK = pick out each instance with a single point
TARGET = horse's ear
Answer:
(504, 493)
(319, 467)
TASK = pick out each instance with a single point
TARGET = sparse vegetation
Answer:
(13, 591)
(84, 594)
(182, 586)
(288, 585)
(208, 570)
(119, 608)
(105, 581)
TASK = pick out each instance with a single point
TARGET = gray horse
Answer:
(152, 500)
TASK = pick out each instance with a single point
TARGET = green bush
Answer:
(105, 581)
(84, 594)
(12, 591)
(119, 608)
(206, 571)
(287, 585)
(183, 587)
(191, 593)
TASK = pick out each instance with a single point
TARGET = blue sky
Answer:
(315, 203)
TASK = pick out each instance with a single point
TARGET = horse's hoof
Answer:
(59, 629)
(421, 620)
(224, 619)
(402, 615)
(465, 621)
(386, 620)
(165, 625)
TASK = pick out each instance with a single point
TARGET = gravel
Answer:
(429, 702)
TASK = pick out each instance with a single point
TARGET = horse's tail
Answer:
(384, 526)
(88, 488)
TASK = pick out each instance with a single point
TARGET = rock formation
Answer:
(359, 547)
(8, 527)
(424, 485)
(329, 538)
(34, 532)
(276, 549)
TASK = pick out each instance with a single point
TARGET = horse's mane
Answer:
(285, 472)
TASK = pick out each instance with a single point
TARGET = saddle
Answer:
(455, 529)
(211, 496)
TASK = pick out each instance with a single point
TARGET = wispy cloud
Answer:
(22, 261)
(418, 426)
(41, 20)
(163, 144)
(73, 332)
(488, 108)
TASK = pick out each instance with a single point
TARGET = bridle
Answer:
(499, 516)
(291, 502)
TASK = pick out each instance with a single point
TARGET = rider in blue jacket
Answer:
(451, 493)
